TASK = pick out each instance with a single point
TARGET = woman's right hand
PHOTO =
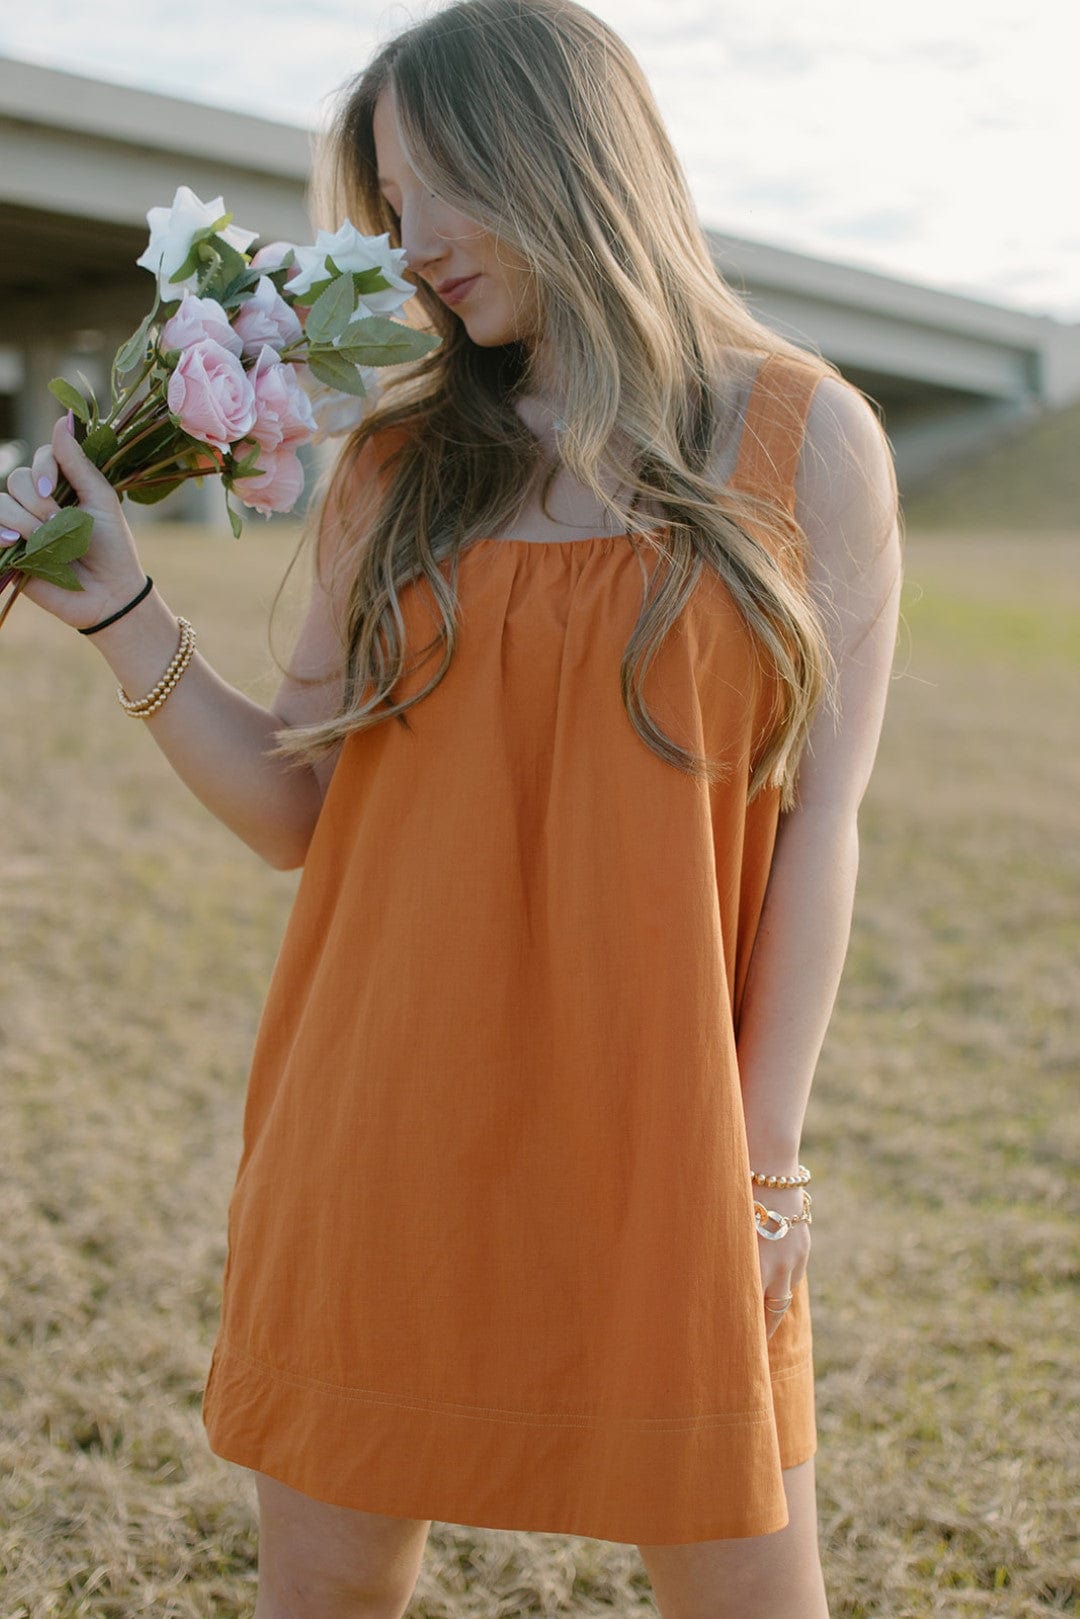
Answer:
(109, 571)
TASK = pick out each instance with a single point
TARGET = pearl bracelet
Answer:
(781, 1181)
(143, 707)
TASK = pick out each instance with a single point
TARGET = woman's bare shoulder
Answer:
(846, 497)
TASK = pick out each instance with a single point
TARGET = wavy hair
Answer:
(564, 157)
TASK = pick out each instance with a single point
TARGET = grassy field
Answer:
(1026, 480)
(138, 940)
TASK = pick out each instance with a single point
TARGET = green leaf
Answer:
(245, 467)
(65, 534)
(331, 367)
(211, 266)
(70, 398)
(95, 413)
(229, 265)
(57, 573)
(54, 544)
(331, 312)
(376, 340)
(234, 293)
(100, 444)
(236, 522)
(130, 353)
(189, 267)
(199, 258)
(317, 288)
(150, 496)
(204, 234)
(369, 281)
(167, 442)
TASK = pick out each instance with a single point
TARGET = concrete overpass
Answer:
(81, 161)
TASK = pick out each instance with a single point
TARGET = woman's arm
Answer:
(218, 740)
(846, 503)
(215, 737)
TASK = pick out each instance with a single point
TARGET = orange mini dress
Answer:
(491, 1251)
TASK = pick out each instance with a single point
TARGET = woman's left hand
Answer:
(783, 1263)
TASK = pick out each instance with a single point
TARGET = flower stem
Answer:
(147, 429)
(116, 418)
(138, 480)
(16, 591)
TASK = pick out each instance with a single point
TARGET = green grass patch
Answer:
(1023, 633)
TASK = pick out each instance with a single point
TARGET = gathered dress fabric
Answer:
(491, 1253)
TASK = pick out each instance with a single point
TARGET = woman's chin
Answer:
(488, 331)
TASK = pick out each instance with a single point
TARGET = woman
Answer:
(570, 747)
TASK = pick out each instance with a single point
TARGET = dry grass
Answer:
(1027, 480)
(139, 940)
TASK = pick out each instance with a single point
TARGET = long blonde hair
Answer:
(534, 118)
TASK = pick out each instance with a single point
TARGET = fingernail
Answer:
(69, 422)
(44, 486)
(9, 535)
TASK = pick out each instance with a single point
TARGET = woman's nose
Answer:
(422, 242)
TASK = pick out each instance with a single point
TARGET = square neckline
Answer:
(544, 545)
(752, 465)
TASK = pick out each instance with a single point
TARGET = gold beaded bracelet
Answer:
(781, 1181)
(784, 1222)
(143, 707)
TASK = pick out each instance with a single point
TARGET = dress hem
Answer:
(404, 1457)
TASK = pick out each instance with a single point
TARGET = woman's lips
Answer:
(459, 290)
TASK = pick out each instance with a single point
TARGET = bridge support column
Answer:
(35, 409)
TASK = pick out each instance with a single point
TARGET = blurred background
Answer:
(894, 186)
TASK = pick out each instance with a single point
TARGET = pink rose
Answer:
(283, 413)
(196, 320)
(211, 396)
(265, 317)
(270, 257)
(276, 485)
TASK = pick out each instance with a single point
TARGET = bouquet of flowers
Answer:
(241, 359)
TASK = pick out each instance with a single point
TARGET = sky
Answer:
(926, 140)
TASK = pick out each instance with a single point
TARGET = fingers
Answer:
(773, 1318)
(43, 471)
(28, 500)
(88, 483)
(29, 497)
(781, 1279)
(23, 507)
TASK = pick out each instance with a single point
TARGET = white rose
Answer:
(171, 233)
(351, 251)
(338, 413)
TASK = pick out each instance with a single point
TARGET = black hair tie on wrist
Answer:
(134, 602)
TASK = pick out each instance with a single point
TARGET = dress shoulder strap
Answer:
(773, 431)
(380, 449)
